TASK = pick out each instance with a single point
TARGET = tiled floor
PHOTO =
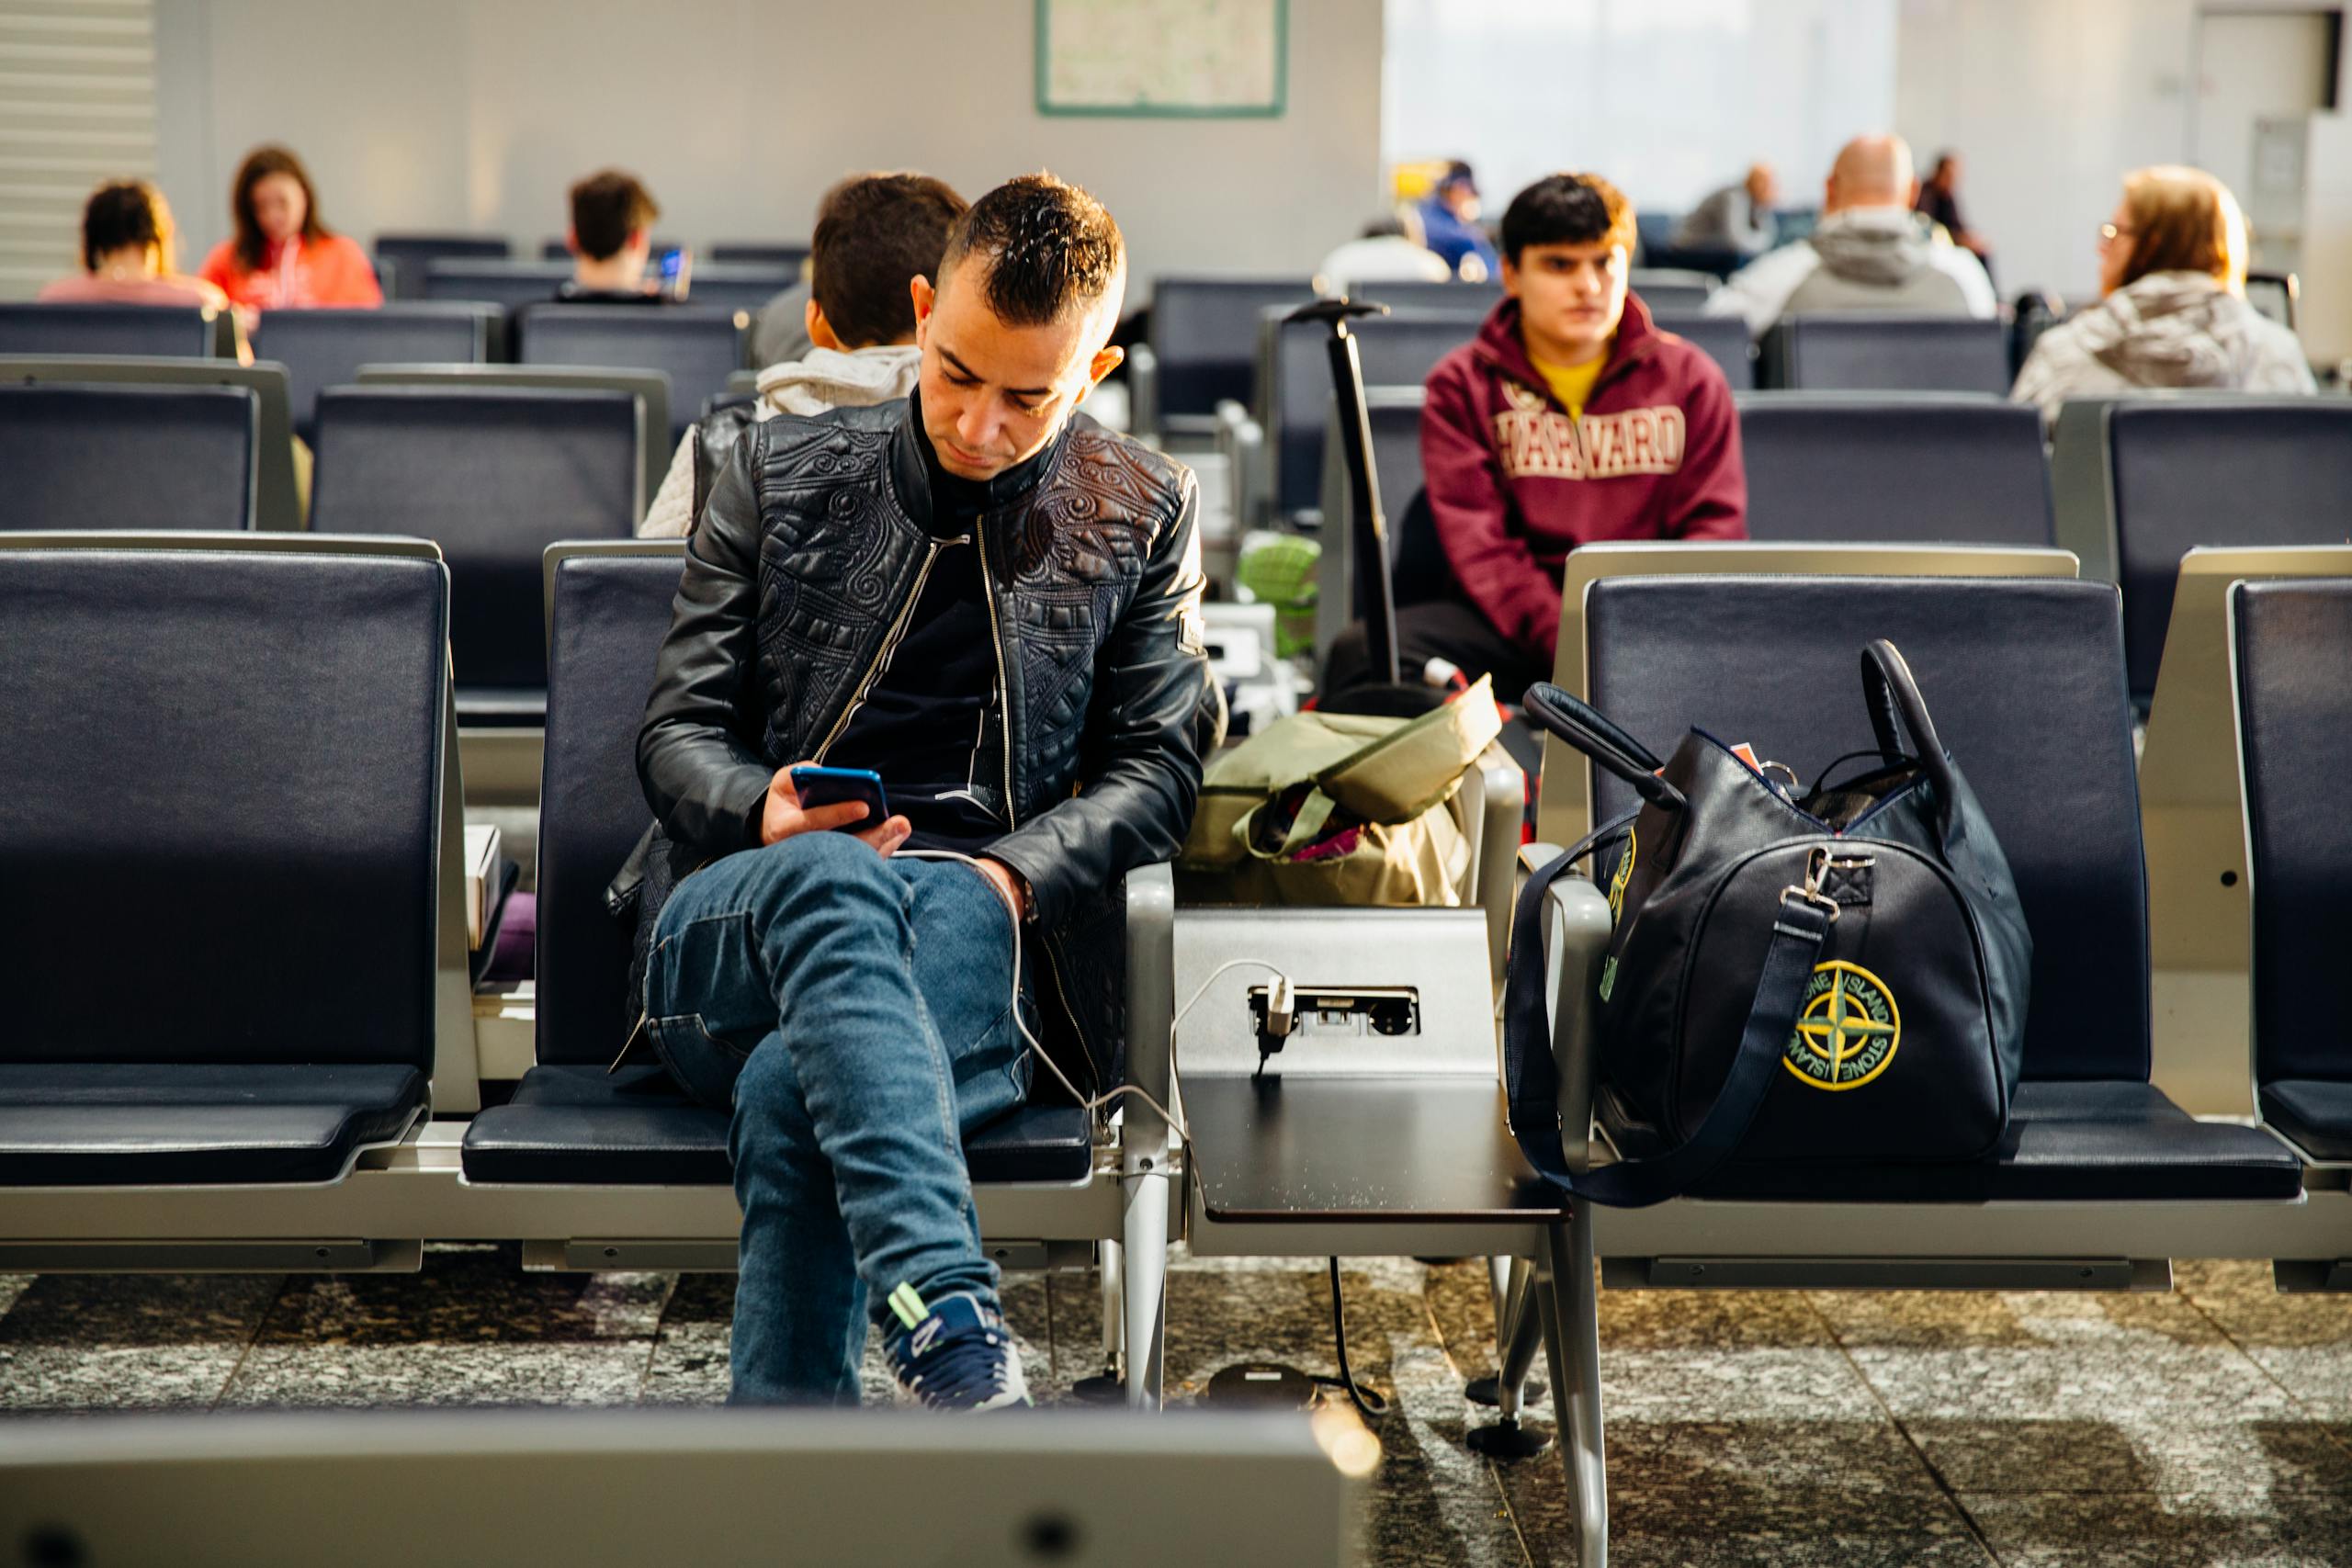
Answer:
(2208, 1425)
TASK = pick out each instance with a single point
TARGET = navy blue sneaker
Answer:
(956, 1355)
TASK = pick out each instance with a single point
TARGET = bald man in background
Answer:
(1870, 251)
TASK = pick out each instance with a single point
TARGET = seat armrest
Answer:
(1151, 989)
(1494, 881)
(1242, 443)
(1576, 926)
(1143, 391)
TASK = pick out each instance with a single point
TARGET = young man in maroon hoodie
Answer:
(1570, 418)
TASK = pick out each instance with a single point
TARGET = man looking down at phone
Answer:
(994, 605)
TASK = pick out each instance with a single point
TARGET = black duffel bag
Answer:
(1835, 974)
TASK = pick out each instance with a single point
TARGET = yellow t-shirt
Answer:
(1572, 384)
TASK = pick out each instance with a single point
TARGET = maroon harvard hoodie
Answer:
(1514, 484)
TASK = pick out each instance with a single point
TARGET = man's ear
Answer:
(571, 239)
(1107, 358)
(1511, 277)
(820, 330)
(926, 300)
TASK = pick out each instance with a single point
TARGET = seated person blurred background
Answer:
(129, 255)
(1870, 252)
(876, 234)
(611, 240)
(1448, 217)
(1737, 218)
(1938, 199)
(1382, 252)
(2172, 274)
(1570, 418)
(282, 256)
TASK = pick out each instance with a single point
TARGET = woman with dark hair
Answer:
(2172, 311)
(282, 256)
(128, 254)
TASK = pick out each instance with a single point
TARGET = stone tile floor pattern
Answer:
(2211, 1425)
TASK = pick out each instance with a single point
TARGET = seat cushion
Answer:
(580, 1125)
(2082, 1142)
(2315, 1113)
(114, 1124)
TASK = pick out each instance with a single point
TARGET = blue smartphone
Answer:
(828, 786)
(676, 267)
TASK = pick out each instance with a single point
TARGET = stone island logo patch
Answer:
(1849, 1030)
(1624, 874)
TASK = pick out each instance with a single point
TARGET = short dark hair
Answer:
(607, 208)
(119, 214)
(1567, 210)
(1050, 249)
(253, 250)
(874, 233)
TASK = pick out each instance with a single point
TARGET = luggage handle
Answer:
(1576, 722)
(1897, 709)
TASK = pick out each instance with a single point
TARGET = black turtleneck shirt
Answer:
(931, 720)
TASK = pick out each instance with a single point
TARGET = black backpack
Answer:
(1793, 976)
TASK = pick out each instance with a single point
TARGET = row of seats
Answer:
(1210, 342)
(403, 261)
(284, 1035)
(2138, 479)
(699, 348)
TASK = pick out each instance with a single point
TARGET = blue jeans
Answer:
(857, 1012)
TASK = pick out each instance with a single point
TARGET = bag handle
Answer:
(1531, 1078)
(1892, 694)
(1575, 721)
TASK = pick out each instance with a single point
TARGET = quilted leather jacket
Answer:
(805, 560)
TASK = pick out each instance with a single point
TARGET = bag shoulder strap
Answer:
(1531, 1077)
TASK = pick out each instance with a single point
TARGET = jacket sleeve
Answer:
(705, 780)
(1140, 763)
(1759, 291)
(2039, 378)
(1470, 504)
(1709, 498)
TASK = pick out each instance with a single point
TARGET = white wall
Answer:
(1669, 98)
(2052, 102)
(738, 114)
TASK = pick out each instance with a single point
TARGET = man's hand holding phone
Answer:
(783, 814)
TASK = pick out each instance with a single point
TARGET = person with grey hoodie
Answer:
(876, 234)
(1870, 252)
(2173, 311)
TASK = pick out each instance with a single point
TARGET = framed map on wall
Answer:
(1177, 58)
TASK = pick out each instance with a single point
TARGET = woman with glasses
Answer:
(2173, 310)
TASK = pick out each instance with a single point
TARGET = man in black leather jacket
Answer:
(994, 604)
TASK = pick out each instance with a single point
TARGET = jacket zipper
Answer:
(1012, 806)
(890, 646)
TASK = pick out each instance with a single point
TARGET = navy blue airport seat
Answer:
(326, 348)
(1204, 338)
(768, 253)
(570, 1121)
(1419, 570)
(698, 347)
(1856, 351)
(2217, 471)
(741, 286)
(2024, 679)
(149, 332)
(1863, 469)
(560, 249)
(1672, 289)
(219, 816)
(1722, 339)
(76, 457)
(1423, 294)
(493, 476)
(2293, 644)
(1294, 390)
(509, 285)
(413, 254)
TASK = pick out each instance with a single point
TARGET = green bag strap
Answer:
(1305, 829)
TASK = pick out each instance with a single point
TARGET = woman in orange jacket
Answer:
(282, 256)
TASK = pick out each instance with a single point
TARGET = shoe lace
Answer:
(955, 1369)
